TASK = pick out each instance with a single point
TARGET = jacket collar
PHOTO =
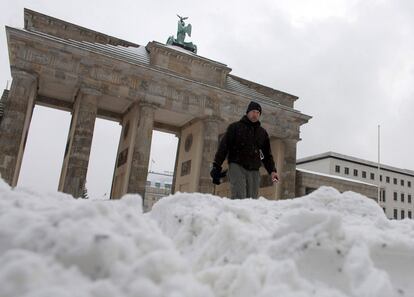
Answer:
(246, 120)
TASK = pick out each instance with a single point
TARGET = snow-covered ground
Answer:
(325, 244)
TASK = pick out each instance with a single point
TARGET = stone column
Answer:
(15, 124)
(134, 148)
(141, 150)
(189, 155)
(124, 155)
(78, 147)
(177, 157)
(300, 188)
(288, 178)
(209, 148)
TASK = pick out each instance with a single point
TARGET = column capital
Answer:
(19, 73)
(145, 103)
(291, 140)
(90, 91)
(213, 118)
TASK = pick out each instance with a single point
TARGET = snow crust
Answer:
(323, 244)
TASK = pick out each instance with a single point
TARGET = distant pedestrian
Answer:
(246, 146)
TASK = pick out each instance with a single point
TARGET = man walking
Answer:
(246, 145)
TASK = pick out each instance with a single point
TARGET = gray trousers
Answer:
(243, 183)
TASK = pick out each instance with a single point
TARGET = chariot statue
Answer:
(182, 30)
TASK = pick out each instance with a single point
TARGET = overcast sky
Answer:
(350, 62)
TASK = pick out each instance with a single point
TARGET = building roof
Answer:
(159, 177)
(355, 160)
(236, 86)
(335, 177)
(36, 21)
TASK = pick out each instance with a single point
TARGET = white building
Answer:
(396, 194)
(159, 184)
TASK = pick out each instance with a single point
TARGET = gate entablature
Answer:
(122, 83)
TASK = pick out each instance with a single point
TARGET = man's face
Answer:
(253, 116)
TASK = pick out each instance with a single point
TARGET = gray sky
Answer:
(351, 62)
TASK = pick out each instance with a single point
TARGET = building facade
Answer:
(307, 181)
(159, 185)
(396, 185)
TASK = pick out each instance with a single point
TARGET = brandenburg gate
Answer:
(144, 88)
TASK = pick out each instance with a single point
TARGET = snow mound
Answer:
(60, 246)
(323, 244)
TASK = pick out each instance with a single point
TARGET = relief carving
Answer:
(186, 168)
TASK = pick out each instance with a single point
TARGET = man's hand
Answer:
(216, 174)
(275, 177)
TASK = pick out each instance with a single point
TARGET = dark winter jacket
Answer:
(242, 143)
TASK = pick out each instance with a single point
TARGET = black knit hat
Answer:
(254, 106)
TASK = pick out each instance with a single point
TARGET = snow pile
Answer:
(58, 246)
(324, 244)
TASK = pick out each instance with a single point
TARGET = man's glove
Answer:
(216, 173)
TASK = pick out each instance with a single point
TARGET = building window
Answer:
(395, 196)
(168, 186)
(148, 183)
(372, 175)
(402, 197)
(402, 182)
(158, 185)
(409, 184)
(409, 214)
(383, 195)
(402, 214)
(387, 179)
(395, 213)
(364, 174)
(395, 181)
(337, 168)
(355, 172)
(409, 198)
(346, 170)
(381, 178)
